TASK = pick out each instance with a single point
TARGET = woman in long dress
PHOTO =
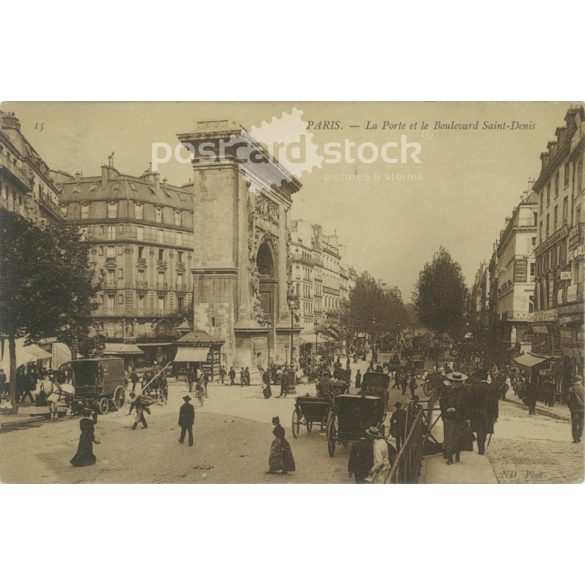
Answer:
(281, 458)
(84, 455)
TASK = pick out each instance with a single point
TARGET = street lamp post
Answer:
(286, 354)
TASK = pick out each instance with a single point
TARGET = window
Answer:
(180, 305)
(112, 210)
(140, 251)
(159, 236)
(161, 303)
(111, 277)
(580, 174)
(548, 195)
(534, 241)
(179, 282)
(180, 256)
(547, 224)
(531, 304)
(161, 255)
(101, 250)
(140, 277)
(141, 304)
(178, 217)
(567, 171)
(161, 280)
(111, 232)
(138, 210)
(540, 231)
(541, 201)
(120, 298)
(557, 184)
(84, 210)
(111, 252)
(534, 217)
(110, 299)
(140, 233)
(532, 267)
(158, 214)
(556, 218)
(120, 273)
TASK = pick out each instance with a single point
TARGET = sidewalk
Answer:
(559, 411)
(472, 468)
(26, 415)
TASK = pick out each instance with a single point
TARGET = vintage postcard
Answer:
(308, 292)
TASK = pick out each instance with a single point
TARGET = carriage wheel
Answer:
(331, 438)
(309, 426)
(104, 405)
(296, 423)
(119, 397)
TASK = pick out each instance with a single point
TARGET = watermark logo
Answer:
(288, 140)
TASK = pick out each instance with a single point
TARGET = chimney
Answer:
(10, 121)
(105, 176)
(156, 180)
(165, 183)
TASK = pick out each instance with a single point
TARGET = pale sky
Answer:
(467, 183)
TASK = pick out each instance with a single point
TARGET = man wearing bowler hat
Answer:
(186, 420)
(398, 424)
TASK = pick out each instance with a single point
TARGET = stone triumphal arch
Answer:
(242, 201)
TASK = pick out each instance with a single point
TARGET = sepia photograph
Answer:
(291, 292)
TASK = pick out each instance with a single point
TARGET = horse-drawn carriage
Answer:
(99, 383)
(311, 410)
(351, 416)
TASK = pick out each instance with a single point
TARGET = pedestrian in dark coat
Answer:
(483, 409)
(186, 420)
(281, 458)
(454, 412)
(358, 379)
(84, 455)
(575, 404)
(232, 376)
(134, 378)
(284, 384)
(530, 396)
(412, 386)
(222, 373)
(361, 460)
(398, 424)
(404, 383)
(242, 377)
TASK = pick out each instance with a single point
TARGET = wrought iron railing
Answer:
(406, 468)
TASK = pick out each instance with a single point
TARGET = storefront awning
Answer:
(529, 361)
(25, 354)
(307, 338)
(191, 354)
(122, 349)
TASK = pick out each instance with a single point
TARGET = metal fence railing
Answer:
(406, 468)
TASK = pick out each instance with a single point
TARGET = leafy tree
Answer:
(46, 285)
(440, 296)
(371, 311)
